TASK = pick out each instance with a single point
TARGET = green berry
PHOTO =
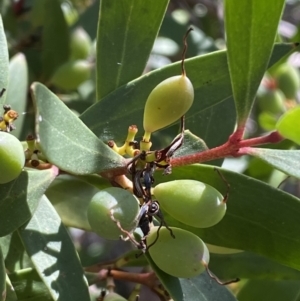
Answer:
(184, 256)
(12, 157)
(80, 44)
(71, 74)
(167, 102)
(288, 80)
(271, 101)
(191, 202)
(125, 208)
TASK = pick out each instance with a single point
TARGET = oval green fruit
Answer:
(71, 74)
(125, 208)
(113, 297)
(271, 101)
(12, 157)
(288, 80)
(191, 202)
(167, 102)
(80, 44)
(184, 256)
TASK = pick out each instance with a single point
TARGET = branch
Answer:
(230, 148)
(148, 279)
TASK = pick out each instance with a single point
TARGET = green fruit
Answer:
(184, 256)
(80, 44)
(125, 208)
(191, 202)
(71, 74)
(70, 13)
(271, 101)
(167, 102)
(113, 297)
(288, 80)
(12, 157)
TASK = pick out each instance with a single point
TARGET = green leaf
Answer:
(2, 277)
(55, 38)
(53, 254)
(17, 89)
(110, 118)
(95, 180)
(19, 198)
(65, 140)
(126, 33)
(259, 218)
(191, 144)
(251, 28)
(288, 161)
(200, 288)
(3, 62)
(261, 290)
(70, 198)
(14, 253)
(289, 125)
(205, 288)
(29, 286)
(250, 266)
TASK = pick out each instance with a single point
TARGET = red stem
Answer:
(233, 147)
(230, 148)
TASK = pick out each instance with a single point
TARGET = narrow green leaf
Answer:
(288, 161)
(259, 218)
(55, 38)
(249, 266)
(289, 125)
(200, 288)
(53, 254)
(2, 277)
(17, 89)
(3, 62)
(19, 198)
(261, 290)
(65, 140)
(70, 198)
(209, 74)
(124, 40)
(29, 286)
(251, 28)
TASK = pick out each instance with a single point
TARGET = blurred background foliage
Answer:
(68, 69)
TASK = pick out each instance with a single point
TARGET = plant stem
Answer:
(148, 279)
(230, 148)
